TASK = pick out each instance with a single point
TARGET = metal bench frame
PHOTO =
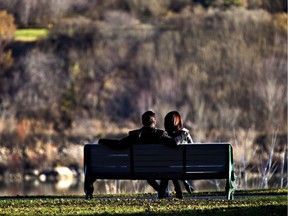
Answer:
(158, 161)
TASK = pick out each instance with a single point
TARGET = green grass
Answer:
(260, 203)
(30, 34)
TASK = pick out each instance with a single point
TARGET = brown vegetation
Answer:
(7, 29)
(222, 66)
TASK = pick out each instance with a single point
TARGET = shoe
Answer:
(179, 195)
(163, 197)
(191, 189)
(160, 196)
(166, 195)
(188, 187)
(88, 196)
(167, 192)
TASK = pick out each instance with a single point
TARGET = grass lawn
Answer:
(30, 34)
(272, 202)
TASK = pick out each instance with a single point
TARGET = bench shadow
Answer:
(235, 211)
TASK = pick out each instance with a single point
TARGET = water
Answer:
(75, 186)
(30, 188)
(68, 187)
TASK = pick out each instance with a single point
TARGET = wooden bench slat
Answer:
(158, 157)
(95, 151)
(201, 162)
(112, 163)
(103, 159)
(157, 169)
(157, 163)
(205, 169)
(167, 156)
(206, 175)
(109, 169)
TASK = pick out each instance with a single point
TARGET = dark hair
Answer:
(173, 122)
(148, 118)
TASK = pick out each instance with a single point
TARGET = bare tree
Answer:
(272, 88)
(267, 168)
(43, 85)
(41, 12)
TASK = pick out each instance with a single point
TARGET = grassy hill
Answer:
(30, 34)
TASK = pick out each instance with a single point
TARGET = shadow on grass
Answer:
(235, 211)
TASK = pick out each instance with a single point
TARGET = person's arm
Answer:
(167, 140)
(108, 141)
(188, 137)
(131, 139)
(126, 141)
(180, 138)
(115, 144)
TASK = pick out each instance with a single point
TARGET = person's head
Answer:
(173, 121)
(149, 118)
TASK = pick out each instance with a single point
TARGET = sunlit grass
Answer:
(30, 34)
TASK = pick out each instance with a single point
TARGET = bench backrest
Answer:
(142, 161)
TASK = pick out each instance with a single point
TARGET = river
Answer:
(75, 186)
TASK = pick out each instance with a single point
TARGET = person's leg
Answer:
(164, 191)
(167, 191)
(188, 187)
(178, 190)
(88, 186)
(154, 184)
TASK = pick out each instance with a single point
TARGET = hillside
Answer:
(99, 65)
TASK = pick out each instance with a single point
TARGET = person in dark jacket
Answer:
(148, 134)
(174, 126)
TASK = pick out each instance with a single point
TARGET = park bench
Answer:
(158, 161)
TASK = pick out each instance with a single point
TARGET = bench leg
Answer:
(88, 186)
(230, 194)
(230, 189)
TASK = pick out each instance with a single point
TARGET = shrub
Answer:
(7, 29)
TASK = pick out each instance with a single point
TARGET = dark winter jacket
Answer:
(144, 135)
